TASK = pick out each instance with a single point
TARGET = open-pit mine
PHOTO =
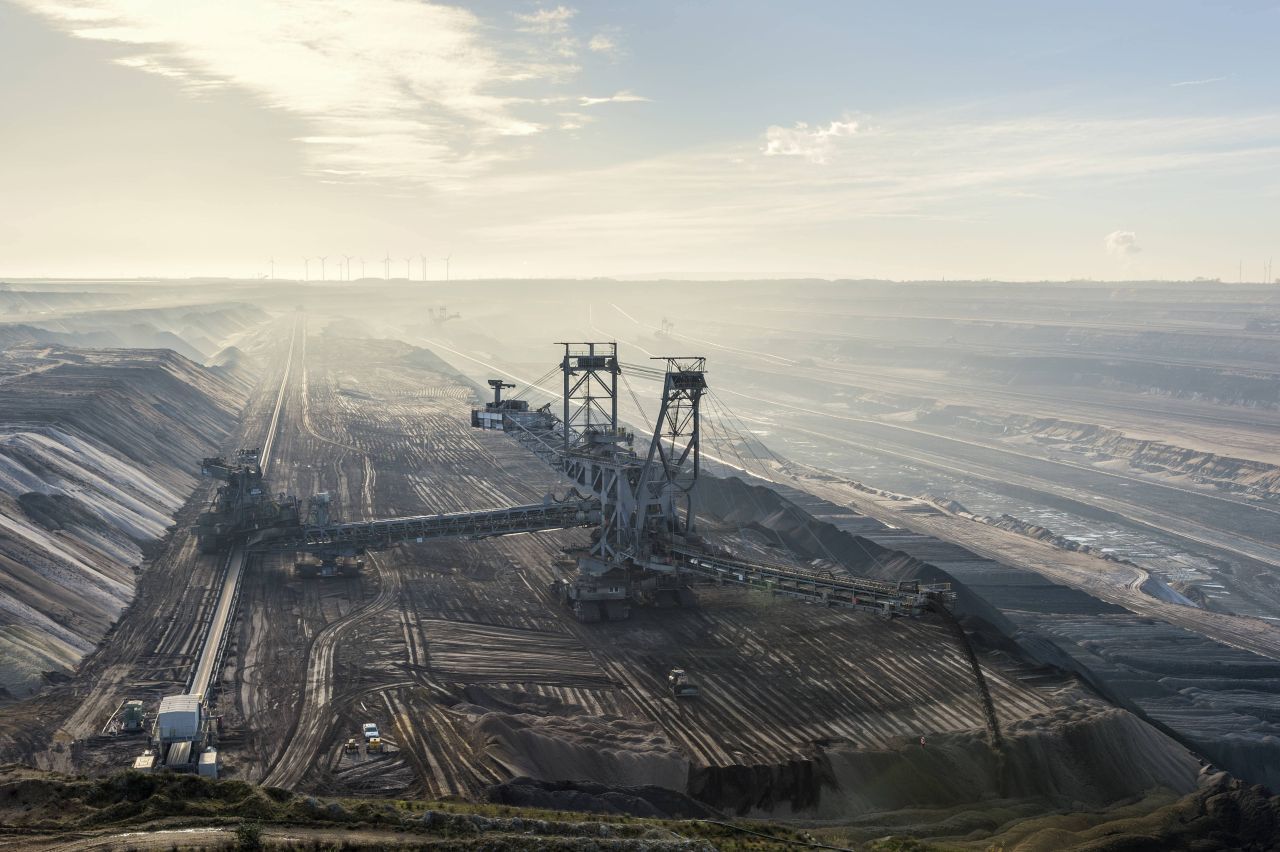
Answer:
(984, 565)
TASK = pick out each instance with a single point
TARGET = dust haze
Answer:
(1085, 466)
(669, 426)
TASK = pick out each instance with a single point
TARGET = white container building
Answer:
(178, 719)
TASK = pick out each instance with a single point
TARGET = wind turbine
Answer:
(362, 267)
(322, 260)
(423, 258)
(348, 257)
(273, 268)
(306, 266)
(408, 276)
(386, 266)
(446, 266)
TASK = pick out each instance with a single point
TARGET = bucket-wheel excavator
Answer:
(640, 506)
(242, 504)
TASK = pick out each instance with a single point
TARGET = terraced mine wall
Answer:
(1087, 753)
(193, 331)
(19, 301)
(766, 512)
(1216, 700)
(1237, 475)
(1087, 440)
(1084, 349)
(1229, 386)
(96, 456)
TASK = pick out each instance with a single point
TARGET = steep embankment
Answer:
(784, 524)
(1202, 461)
(1229, 473)
(1085, 754)
(16, 301)
(97, 451)
(233, 365)
(1213, 698)
(1227, 385)
(1081, 751)
(195, 331)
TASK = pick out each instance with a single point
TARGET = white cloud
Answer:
(601, 43)
(547, 21)
(924, 167)
(574, 120)
(1122, 244)
(553, 27)
(392, 89)
(623, 97)
(152, 66)
(1203, 82)
(813, 143)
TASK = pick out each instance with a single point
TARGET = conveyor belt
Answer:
(375, 535)
(207, 665)
(908, 597)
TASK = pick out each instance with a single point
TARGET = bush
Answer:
(278, 794)
(249, 837)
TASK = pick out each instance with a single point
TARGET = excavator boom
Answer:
(358, 537)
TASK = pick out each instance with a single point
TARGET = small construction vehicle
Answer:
(309, 566)
(374, 745)
(132, 717)
(351, 746)
(680, 685)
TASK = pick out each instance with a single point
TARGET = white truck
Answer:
(680, 685)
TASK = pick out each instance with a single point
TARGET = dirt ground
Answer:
(473, 672)
(476, 675)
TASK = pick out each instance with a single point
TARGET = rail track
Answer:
(213, 647)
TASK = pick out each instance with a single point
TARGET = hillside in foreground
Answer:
(40, 810)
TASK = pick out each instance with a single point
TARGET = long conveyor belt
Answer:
(204, 672)
(375, 535)
(909, 597)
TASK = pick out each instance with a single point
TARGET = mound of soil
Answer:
(611, 750)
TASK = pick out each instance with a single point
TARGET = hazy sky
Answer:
(702, 138)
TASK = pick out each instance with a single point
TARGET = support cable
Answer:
(634, 398)
(537, 385)
(718, 404)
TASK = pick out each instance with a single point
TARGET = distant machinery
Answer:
(500, 412)
(336, 561)
(241, 504)
(441, 315)
(328, 564)
(644, 547)
(681, 685)
(356, 538)
(646, 503)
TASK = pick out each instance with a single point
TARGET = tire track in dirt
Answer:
(316, 715)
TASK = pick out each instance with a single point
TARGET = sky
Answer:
(699, 139)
